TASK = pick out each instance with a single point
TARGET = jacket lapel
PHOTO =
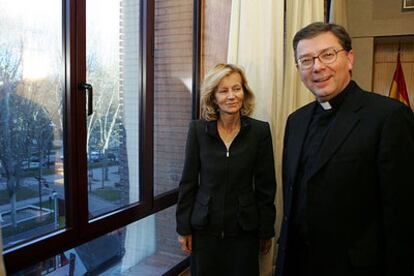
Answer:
(345, 121)
(210, 128)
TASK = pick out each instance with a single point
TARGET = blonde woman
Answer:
(225, 211)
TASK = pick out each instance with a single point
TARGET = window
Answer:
(113, 69)
(31, 121)
(98, 96)
(137, 249)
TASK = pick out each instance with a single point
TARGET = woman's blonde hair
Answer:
(209, 110)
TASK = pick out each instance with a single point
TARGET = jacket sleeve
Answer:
(265, 186)
(395, 166)
(189, 182)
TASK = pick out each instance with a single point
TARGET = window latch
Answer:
(88, 87)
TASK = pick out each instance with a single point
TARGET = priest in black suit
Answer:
(348, 181)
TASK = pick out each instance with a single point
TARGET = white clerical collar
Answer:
(325, 105)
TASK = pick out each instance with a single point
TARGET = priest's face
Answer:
(324, 66)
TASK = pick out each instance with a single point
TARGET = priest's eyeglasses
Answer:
(327, 56)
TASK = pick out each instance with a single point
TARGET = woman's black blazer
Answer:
(224, 192)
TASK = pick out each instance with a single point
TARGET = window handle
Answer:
(88, 87)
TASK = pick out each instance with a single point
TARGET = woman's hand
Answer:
(265, 246)
(186, 243)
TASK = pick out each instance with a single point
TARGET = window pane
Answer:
(173, 80)
(113, 128)
(146, 247)
(31, 119)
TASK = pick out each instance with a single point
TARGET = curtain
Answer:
(253, 44)
(257, 42)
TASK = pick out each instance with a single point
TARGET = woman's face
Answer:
(229, 94)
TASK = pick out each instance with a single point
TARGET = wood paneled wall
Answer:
(385, 60)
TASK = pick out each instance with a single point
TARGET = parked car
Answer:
(111, 156)
(94, 156)
(30, 165)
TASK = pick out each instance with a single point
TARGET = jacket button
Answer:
(286, 218)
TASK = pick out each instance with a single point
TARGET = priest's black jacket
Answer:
(360, 190)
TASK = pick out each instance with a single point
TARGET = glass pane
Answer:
(147, 247)
(113, 128)
(173, 80)
(31, 119)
